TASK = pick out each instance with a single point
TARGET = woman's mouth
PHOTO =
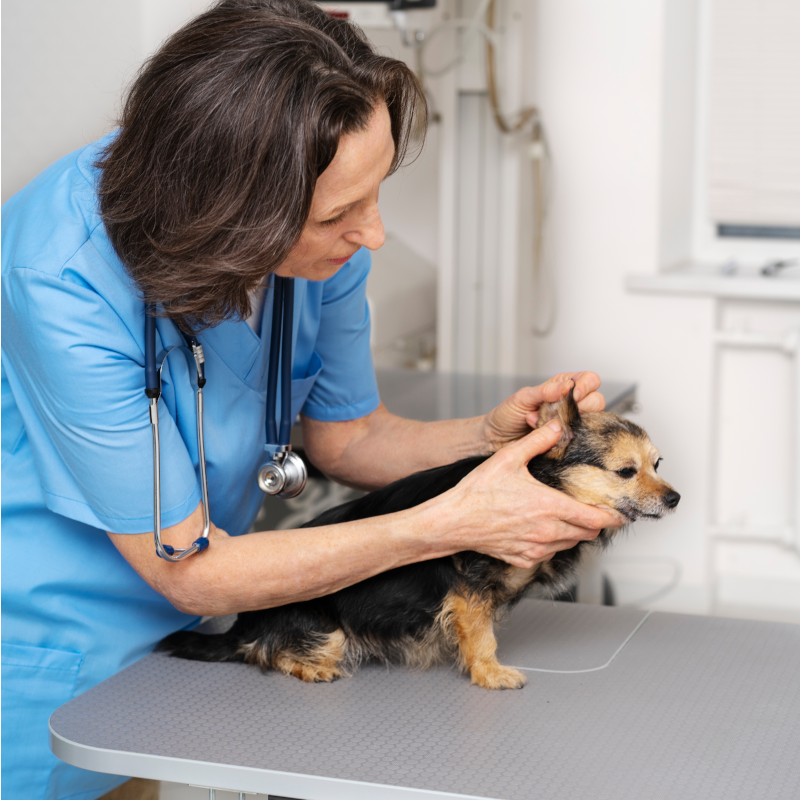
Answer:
(340, 261)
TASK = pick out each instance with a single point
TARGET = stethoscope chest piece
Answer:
(285, 476)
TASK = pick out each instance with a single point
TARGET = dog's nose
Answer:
(671, 498)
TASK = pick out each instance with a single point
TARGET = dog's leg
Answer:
(470, 619)
(319, 662)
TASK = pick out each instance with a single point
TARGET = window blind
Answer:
(754, 113)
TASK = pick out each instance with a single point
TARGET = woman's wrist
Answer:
(489, 441)
(438, 527)
(411, 535)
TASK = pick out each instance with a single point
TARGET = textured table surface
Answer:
(619, 704)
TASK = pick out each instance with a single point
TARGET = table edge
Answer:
(232, 778)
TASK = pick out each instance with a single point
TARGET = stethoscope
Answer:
(284, 475)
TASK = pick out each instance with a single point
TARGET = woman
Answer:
(254, 142)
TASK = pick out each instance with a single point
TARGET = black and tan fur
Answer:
(421, 614)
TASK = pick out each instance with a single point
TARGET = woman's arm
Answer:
(370, 452)
(498, 509)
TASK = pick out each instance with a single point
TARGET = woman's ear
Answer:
(567, 412)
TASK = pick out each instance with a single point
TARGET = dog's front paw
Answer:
(320, 674)
(310, 673)
(496, 676)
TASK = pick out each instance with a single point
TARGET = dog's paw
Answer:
(496, 676)
(320, 665)
(310, 673)
(318, 674)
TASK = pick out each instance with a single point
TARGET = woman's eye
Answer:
(655, 466)
(327, 222)
(628, 472)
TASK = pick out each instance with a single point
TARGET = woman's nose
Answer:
(370, 233)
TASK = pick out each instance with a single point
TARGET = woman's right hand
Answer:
(502, 511)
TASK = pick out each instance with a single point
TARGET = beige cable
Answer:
(526, 114)
(544, 283)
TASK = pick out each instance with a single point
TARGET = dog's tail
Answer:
(202, 646)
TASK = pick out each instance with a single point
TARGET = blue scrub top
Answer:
(77, 450)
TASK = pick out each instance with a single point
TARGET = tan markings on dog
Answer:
(627, 450)
(253, 654)
(546, 568)
(517, 578)
(320, 664)
(591, 485)
(471, 619)
(649, 486)
(434, 648)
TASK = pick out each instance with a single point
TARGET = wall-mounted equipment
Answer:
(369, 14)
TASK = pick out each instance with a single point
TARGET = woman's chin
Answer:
(316, 271)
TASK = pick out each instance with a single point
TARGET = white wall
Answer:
(64, 66)
(409, 200)
(597, 75)
(618, 86)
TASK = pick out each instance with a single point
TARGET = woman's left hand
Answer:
(518, 415)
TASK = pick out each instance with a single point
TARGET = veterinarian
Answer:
(253, 143)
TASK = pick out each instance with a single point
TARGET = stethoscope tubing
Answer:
(167, 552)
(285, 429)
(280, 362)
(280, 352)
(153, 391)
(272, 374)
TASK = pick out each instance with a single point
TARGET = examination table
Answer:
(621, 704)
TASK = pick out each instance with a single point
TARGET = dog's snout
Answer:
(671, 498)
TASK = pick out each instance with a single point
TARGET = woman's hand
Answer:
(501, 510)
(518, 415)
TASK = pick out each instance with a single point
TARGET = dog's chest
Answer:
(517, 578)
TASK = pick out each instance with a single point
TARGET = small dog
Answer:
(421, 614)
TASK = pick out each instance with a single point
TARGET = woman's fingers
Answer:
(534, 527)
(569, 510)
(586, 383)
(588, 517)
(515, 416)
(535, 443)
(536, 555)
(506, 513)
(592, 403)
(553, 389)
(583, 384)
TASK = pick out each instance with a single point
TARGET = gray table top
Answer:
(431, 396)
(620, 703)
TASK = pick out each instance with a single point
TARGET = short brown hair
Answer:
(223, 134)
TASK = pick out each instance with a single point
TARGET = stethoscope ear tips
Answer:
(285, 476)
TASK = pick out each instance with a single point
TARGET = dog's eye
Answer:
(655, 466)
(628, 472)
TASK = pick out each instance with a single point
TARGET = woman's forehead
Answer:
(362, 161)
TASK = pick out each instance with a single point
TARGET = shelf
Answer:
(745, 284)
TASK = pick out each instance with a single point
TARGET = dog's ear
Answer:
(567, 412)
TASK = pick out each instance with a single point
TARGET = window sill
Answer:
(706, 280)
